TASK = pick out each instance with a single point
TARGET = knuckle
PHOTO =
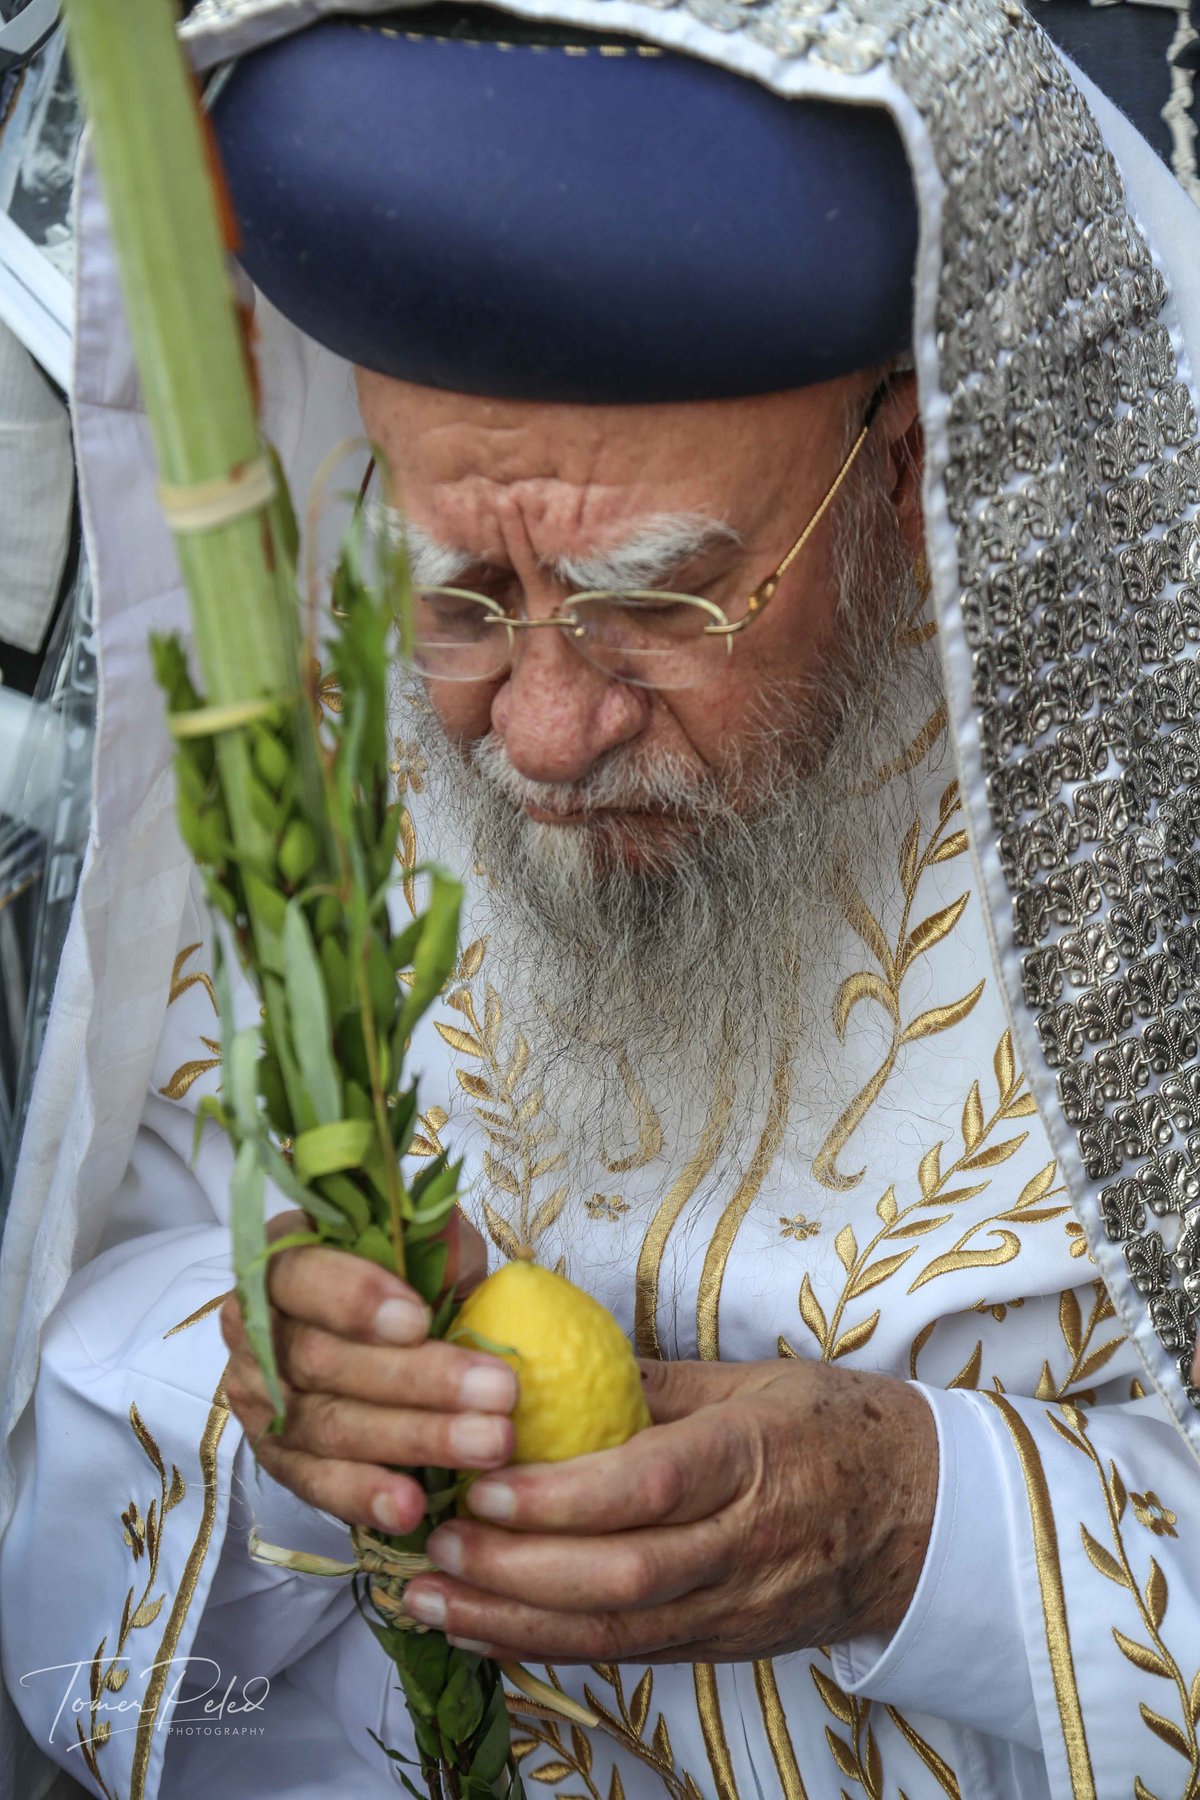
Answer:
(322, 1426)
(306, 1358)
(240, 1389)
(610, 1638)
(361, 1289)
(630, 1580)
(661, 1487)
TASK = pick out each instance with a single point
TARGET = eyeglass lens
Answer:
(647, 639)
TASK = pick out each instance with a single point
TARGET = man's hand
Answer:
(365, 1387)
(772, 1506)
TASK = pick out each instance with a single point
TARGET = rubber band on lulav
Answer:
(207, 505)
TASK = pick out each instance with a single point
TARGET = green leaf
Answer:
(426, 1659)
(350, 1201)
(327, 1149)
(336, 971)
(491, 1751)
(282, 1176)
(436, 955)
(241, 1080)
(375, 1244)
(309, 1010)
(460, 1707)
(426, 1268)
(248, 1222)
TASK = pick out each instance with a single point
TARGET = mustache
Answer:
(626, 780)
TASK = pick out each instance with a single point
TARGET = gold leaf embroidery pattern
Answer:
(857, 1753)
(523, 1139)
(428, 1141)
(606, 1206)
(902, 1229)
(143, 1534)
(1149, 1601)
(408, 765)
(190, 1072)
(1079, 1338)
(327, 690)
(624, 1720)
(895, 960)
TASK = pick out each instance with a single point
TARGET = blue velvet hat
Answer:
(461, 199)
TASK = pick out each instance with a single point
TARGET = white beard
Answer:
(714, 956)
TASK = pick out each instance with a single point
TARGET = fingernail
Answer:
(446, 1550)
(471, 1645)
(385, 1510)
(476, 1439)
(427, 1605)
(401, 1322)
(491, 1499)
(489, 1390)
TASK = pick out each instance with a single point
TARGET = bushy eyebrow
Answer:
(644, 557)
(647, 555)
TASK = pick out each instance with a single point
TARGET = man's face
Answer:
(517, 498)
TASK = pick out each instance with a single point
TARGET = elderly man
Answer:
(826, 1002)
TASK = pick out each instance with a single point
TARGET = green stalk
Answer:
(149, 147)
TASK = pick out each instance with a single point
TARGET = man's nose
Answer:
(558, 714)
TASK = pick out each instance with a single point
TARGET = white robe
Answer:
(1051, 1645)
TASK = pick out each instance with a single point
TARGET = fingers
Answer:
(353, 1430)
(624, 1572)
(350, 1296)
(517, 1631)
(671, 1474)
(434, 1376)
(358, 1493)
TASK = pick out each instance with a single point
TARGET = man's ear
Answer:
(904, 448)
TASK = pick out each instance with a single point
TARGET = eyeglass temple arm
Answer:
(761, 595)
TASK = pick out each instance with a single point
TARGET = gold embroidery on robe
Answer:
(1149, 1651)
(883, 984)
(1054, 1603)
(189, 1072)
(623, 1719)
(902, 1229)
(143, 1533)
(791, 1782)
(708, 1301)
(210, 1440)
(201, 1312)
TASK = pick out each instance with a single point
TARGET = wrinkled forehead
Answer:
(527, 211)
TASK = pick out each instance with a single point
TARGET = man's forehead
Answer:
(641, 552)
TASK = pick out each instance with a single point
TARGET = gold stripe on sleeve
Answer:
(214, 1426)
(791, 1784)
(1054, 1603)
(708, 1705)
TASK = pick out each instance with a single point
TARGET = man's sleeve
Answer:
(1059, 1603)
(136, 1629)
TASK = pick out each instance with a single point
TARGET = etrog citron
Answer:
(580, 1389)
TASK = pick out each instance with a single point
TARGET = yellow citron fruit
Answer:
(580, 1388)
